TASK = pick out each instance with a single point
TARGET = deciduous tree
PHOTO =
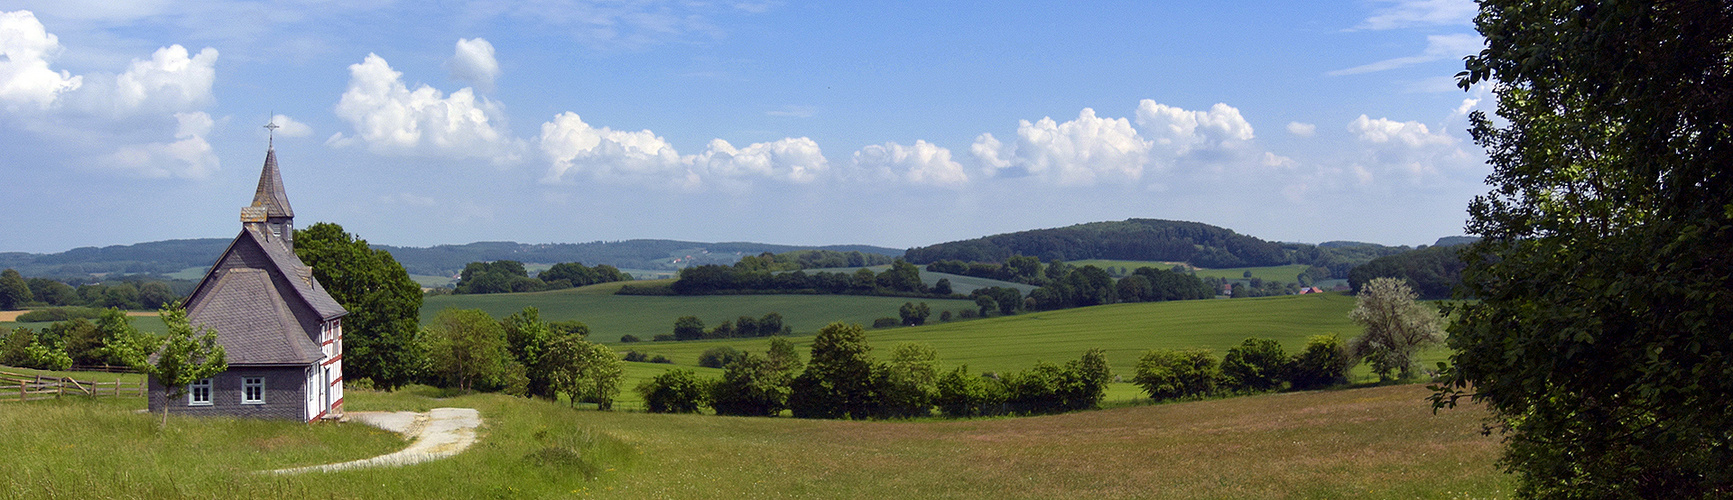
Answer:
(1600, 338)
(1397, 327)
(384, 304)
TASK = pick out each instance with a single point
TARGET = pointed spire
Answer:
(270, 195)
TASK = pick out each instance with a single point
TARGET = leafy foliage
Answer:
(1171, 374)
(14, 291)
(1397, 328)
(185, 355)
(379, 334)
(963, 395)
(467, 349)
(674, 391)
(1323, 363)
(1600, 340)
(1256, 365)
(837, 382)
(1433, 271)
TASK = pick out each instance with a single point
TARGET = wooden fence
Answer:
(30, 387)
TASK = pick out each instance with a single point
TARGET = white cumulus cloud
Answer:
(790, 159)
(474, 63)
(26, 47)
(1185, 129)
(289, 127)
(923, 163)
(1083, 151)
(189, 156)
(170, 79)
(392, 119)
(570, 144)
(1302, 129)
(1409, 133)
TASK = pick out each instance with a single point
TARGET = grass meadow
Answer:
(1380, 442)
(611, 316)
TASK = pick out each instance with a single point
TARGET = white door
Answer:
(312, 398)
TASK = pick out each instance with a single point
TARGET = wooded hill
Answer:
(1194, 243)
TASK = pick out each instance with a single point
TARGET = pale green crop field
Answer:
(611, 316)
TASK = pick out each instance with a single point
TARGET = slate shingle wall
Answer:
(284, 395)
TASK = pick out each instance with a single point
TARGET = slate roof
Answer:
(270, 193)
(253, 323)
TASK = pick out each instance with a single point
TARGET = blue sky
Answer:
(883, 123)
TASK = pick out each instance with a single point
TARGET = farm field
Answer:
(1125, 331)
(1381, 442)
(1284, 274)
(611, 316)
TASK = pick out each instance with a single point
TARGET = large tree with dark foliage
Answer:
(384, 304)
(1600, 341)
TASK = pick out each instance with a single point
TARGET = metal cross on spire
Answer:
(271, 126)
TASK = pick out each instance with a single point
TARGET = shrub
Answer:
(675, 391)
(1083, 383)
(636, 356)
(907, 384)
(1324, 363)
(1255, 364)
(1034, 391)
(661, 359)
(968, 314)
(1169, 374)
(752, 386)
(629, 338)
(688, 328)
(945, 316)
(24, 350)
(886, 323)
(963, 395)
(662, 337)
(837, 382)
(718, 357)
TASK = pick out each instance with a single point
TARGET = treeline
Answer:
(902, 279)
(843, 380)
(520, 355)
(132, 292)
(810, 259)
(1433, 271)
(1197, 244)
(692, 328)
(76, 341)
(508, 276)
(1256, 365)
(630, 254)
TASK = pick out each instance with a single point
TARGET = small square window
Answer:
(199, 393)
(253, 390)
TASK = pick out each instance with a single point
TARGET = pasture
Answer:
(611, 316)
(1283, 274)
(1381, 442)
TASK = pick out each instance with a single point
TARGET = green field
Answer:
(1284, 274)
(1381, 442)
(1010, 343)
(610, 316)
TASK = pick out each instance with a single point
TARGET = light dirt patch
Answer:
(438, 434)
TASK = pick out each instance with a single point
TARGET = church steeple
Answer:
(270, 208)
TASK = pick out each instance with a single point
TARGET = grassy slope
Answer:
(1364, 443)
(1011, 343)
(611, 316)
(1283, 274)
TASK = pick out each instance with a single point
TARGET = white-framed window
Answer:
(199, 393)
(253, 390)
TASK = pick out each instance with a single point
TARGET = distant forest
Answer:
(165, 257)
(1197, 244)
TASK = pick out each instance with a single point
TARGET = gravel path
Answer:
(440, 433)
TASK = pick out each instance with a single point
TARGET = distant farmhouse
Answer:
(282, 333)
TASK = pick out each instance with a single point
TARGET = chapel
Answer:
(282, 333)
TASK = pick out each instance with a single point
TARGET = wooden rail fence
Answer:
(29, 387)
